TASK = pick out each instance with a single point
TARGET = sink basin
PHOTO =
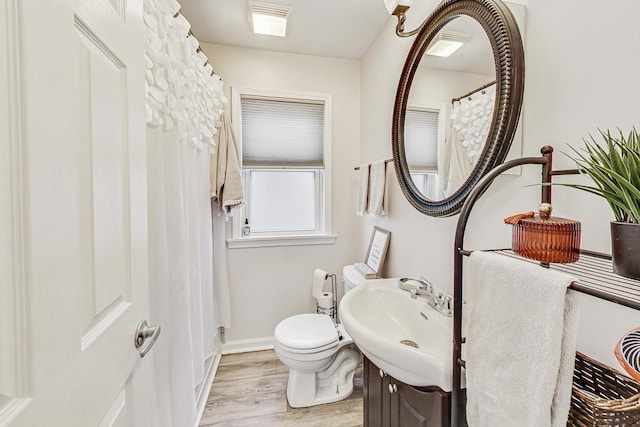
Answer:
(390, 329)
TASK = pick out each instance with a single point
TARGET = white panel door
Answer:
(73, 219)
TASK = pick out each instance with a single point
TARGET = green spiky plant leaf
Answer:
(614, 167)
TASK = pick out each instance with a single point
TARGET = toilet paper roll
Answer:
(325, 300)
(325, 304)
(319, 276)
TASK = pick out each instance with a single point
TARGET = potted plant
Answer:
(614, 167)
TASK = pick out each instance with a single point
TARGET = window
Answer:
(423, 131)
(285, 152)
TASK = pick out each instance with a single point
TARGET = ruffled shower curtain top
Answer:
(471, 119)
(183, 106)
(182, 91)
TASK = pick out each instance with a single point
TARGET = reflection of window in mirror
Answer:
(424, 135)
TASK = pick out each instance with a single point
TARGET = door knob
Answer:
(144, 331)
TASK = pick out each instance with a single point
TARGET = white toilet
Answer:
(320, 355)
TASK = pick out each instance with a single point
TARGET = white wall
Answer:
(581, 74)
(270, 284)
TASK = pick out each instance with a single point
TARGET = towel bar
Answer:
(357, 168)
(596, 277)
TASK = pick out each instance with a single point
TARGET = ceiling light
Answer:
(446, 42)
(268, 19)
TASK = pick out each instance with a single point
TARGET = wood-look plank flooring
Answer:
(250, 389)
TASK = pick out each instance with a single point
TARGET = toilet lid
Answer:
(305, 331)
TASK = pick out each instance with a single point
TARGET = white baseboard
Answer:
(210, 374)
(243, 346)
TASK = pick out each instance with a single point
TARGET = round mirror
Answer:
(457, 104)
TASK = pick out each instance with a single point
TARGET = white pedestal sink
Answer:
(405, 337)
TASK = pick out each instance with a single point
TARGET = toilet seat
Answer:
(307, 333)
(333, 346)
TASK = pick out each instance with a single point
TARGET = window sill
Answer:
(267, 241)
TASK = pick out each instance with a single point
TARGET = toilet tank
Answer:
(351, 278)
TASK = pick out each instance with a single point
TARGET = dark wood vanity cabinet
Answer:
(377, 399)
(392, 403)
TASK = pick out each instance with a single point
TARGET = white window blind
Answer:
(282, 133)
(421, 139)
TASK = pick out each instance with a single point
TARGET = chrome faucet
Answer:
(441, 302)
(422, 286)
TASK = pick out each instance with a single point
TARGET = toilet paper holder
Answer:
(332, 309)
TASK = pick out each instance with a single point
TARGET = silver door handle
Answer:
(144, 331)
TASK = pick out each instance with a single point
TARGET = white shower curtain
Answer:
(456, 165)
(183, 105)
(180, 273)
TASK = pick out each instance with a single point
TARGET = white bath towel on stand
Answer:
(521, 340)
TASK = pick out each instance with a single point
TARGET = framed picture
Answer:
(377, 250)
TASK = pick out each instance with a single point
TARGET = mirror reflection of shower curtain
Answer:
(456, 165)
(470, 122)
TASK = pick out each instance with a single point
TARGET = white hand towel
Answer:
(363, 189)
(377, 189)
(521, 342)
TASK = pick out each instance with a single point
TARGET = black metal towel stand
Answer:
(457, 406)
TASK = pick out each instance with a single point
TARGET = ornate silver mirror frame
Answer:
(508, 53)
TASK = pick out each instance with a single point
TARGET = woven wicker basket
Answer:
(602, 397)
